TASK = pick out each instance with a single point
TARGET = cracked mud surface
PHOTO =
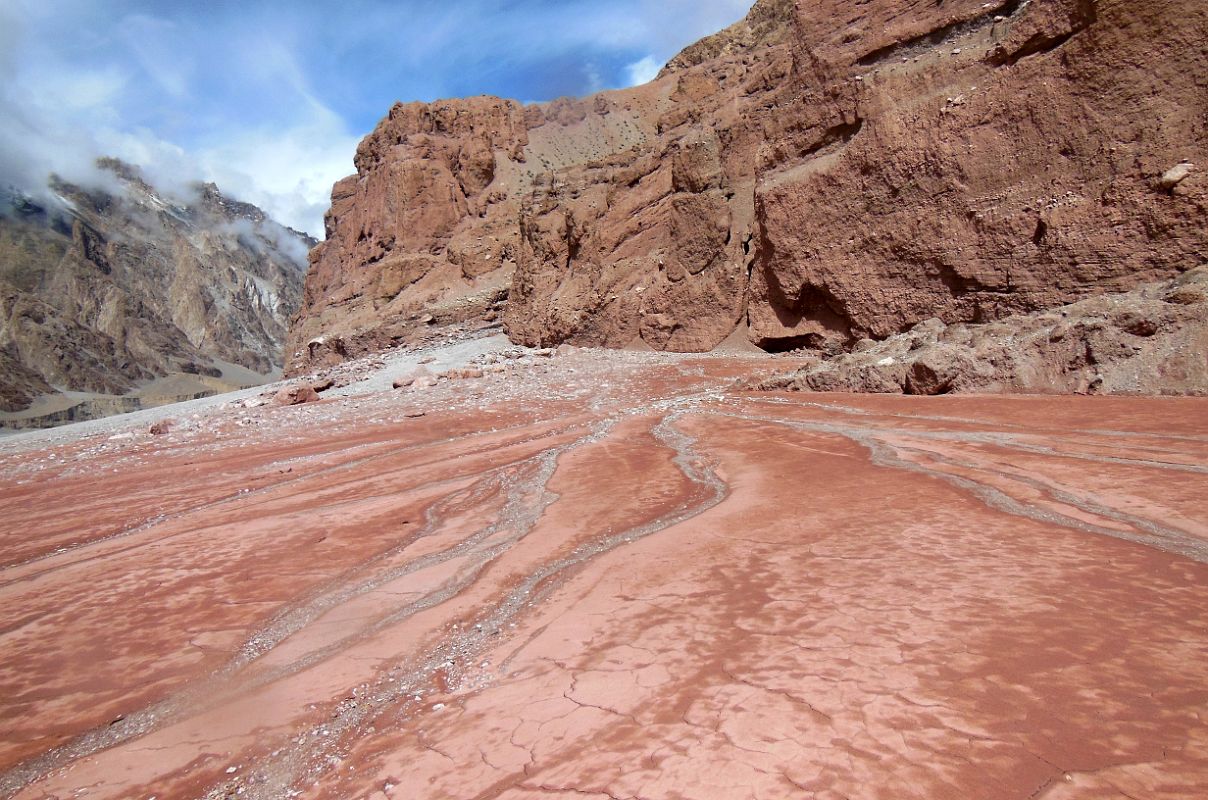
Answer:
(610, 575)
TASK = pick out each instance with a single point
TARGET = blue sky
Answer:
(269, 98)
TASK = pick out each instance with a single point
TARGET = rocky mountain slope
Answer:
(128, 291)
(819, 173)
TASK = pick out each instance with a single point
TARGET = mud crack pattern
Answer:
(658, 588)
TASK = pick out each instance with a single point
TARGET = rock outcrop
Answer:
(105, 291)
(817, 174)
(1152, 340)
(989, 161)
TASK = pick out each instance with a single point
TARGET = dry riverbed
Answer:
(611, 575)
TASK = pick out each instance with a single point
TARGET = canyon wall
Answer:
(817, 174)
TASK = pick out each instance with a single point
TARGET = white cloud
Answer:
(162, 50)
(269, 235)
(643, 71)
(288, 173)
(57, 115)
(231, 94)
(661, 28)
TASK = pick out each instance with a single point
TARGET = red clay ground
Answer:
(613, 576)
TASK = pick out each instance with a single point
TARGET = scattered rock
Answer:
(863, 379)
(1139, 342)
(1175, 175)
(296, 396)
(409, 379)
(1136, 324)
(1186, 296)
(939, 369)
(1190, 288)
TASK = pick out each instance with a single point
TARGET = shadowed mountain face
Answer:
(105, 291)
(820, 173)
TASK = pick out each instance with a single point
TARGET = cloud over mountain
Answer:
(269, 99)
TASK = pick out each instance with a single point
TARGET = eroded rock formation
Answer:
(819, 173)
(1007, 159)
(103, 291)
(1152, 340)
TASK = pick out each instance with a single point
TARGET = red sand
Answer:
(638, 592)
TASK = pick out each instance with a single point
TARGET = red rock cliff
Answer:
(819, 172)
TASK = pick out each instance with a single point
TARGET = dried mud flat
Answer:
(611, 575)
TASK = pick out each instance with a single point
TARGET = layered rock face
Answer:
(104, 291)
(427, 226)
(621, 218)
(987, 161)
(817, 174)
